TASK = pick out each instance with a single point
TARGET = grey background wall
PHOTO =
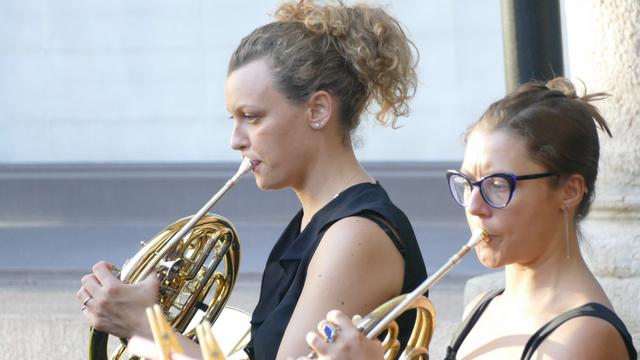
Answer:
(67, 217)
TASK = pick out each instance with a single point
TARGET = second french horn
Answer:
(384, 316)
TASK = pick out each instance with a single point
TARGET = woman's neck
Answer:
(551, 281)
(326, 177)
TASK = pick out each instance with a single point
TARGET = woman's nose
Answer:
(239, 138)
(476, 205)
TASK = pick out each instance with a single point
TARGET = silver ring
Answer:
(330, 331)
(85, 301)
(83, 307)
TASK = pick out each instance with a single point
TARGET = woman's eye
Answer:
(250, 118)
(498, 185)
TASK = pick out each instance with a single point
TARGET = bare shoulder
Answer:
(358, 233)
(586, 337)
(473, 303)
(356, 252)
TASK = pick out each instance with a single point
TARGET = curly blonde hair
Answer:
(359, 54)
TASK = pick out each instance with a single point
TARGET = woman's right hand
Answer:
(348, 343)
(112, 306)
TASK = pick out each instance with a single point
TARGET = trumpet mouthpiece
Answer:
(477, 237)
(245, 166)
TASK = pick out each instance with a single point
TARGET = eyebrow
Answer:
(244, 108)
(464, 170)
(485, 174)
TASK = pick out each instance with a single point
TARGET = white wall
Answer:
(141, 80)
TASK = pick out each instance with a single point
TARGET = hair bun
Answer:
(330, 20)
(564, 86)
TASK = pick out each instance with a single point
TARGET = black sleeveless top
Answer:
(590, 309)
(286, 268)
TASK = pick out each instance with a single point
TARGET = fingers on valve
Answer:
(317, 343)
(103, 273)
(339, 318)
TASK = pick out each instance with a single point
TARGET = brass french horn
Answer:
(186, 256)
(383, 317)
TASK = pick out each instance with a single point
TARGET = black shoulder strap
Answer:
(469, 322)
(590, 309)
(384, 225)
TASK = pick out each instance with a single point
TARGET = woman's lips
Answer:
(490, 238)
(255, 164)
(487, 238)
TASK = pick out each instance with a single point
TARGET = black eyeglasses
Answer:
(496, 189)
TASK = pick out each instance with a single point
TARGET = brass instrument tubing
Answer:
(476, 238)
(245, 166)
(213, 264)
(195, 267)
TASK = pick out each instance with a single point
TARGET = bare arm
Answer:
(355, 268)
(584, 338)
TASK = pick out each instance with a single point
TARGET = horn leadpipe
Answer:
(245, 166)
(478, 236)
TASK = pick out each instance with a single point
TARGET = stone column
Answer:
(603, 39)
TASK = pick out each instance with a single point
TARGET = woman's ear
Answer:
(320, 109)
(573, 190)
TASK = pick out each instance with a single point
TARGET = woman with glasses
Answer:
(528, 179)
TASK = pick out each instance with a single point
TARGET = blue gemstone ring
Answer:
(330, 331)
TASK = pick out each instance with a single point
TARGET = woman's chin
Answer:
(260, 185)
(489, 260)
(261, 182)
(492, 265)
(265, 184)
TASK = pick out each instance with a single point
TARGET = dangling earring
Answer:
(566, 231)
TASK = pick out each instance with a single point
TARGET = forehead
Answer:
(496, 151)
(250, 81)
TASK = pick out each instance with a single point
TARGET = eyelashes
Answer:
(248, 117)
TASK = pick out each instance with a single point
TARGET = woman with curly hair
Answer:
(296, 89)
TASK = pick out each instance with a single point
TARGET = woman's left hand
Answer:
(346, 343)
(115, 307)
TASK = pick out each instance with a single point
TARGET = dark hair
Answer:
(559, 126)
(358, 54)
